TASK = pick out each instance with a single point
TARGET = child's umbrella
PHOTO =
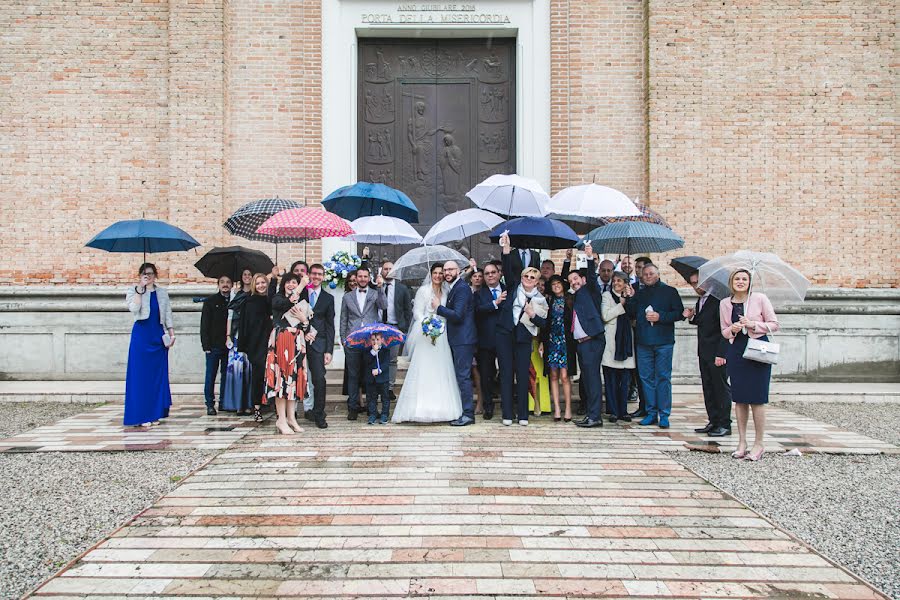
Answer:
(390, 334)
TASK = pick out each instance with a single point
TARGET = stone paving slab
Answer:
(785, 431)
(547, 511)
(100, 429)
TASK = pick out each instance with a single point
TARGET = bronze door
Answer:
(436, 117)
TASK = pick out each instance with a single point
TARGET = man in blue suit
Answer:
(487, 310)
(589, 332)
(462, 336)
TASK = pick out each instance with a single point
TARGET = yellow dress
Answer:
(540, 383)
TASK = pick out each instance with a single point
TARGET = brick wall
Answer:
(711, 112)
(777, 119)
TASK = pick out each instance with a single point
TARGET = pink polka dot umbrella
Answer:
(308, 223)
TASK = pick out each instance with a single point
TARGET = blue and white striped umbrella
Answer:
(633, 237)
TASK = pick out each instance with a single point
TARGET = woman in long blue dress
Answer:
(147, 393)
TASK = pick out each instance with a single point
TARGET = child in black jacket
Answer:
(378, 359)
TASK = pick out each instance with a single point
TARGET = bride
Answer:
(430, 393)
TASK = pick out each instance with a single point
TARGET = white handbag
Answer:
(762, 351)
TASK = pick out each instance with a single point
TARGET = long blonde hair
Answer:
(253, 281)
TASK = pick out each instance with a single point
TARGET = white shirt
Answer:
(318, 293)
(361, 294)
(577, 331)
(391, 312)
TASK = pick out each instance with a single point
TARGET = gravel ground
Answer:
(879, 421)
(843, 506)
(58, 504)
(19, 417)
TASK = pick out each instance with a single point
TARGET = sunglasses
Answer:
(529, 277)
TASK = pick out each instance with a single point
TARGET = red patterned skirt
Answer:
(285, 375)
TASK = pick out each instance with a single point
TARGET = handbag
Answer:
(762, 351)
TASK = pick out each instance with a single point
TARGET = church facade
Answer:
(760, 124)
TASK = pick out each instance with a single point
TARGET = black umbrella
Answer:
(688, 265)
(232, 261)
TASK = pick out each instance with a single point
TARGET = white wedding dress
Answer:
(430, 393)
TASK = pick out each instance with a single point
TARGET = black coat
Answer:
(403, 305)
(486, 316)
(322, 321)
(505, 325)
(711, 344)
(213, 321)
(515, 267)
(254, 329)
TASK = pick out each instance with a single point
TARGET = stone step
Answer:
(113, 391)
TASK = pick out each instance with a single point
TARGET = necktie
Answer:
(494, 293)
(524, 258)
(702, 302)
(312, 299)
(384, 318)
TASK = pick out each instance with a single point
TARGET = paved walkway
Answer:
(392, 511)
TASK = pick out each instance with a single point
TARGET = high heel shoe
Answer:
(283, 428)
(557, 418)
(738, 454)
(755, 457)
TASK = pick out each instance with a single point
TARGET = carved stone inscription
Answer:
(435, 118)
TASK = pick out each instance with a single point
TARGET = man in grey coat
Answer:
(362, 306)
(398, 313)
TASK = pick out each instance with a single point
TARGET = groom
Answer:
(461, 334)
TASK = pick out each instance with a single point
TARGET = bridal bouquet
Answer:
(340, 265)
(433, 328)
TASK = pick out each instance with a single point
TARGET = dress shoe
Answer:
(351, 415)
(211, 411)
(488, 415)
(638, 414)
(613, 418)
(463, 421)
(626, 418)
(648, 420)
(589, 423)
(705, 429)
(322, 423)
(308, 415)
(664, 422)
(392, 395)
(719, 432)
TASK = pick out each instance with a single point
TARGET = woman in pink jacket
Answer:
(744, 316)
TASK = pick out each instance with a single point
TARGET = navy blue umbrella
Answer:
(633, 237)
(363, 199)
(688, 265)
(539, 233)
(142, 235)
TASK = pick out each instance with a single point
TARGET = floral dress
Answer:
(557, 352)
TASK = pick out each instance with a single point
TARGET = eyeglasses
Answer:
(529, 277)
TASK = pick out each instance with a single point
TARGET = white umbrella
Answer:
(768, 274)
(415, 265)
(462, 224)
(511, 196)
(383, 230)
(592, 200)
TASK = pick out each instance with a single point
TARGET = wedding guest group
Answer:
(506, 326)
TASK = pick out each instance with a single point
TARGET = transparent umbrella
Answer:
(768, 274)
(415, 265)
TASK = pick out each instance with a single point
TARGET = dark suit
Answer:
(711, 344)
(582, 392)
(486, 315)
(403, 304)
(323, 322)
(352, 318)
(513, 349)
(586, 308)
(516, 266)
(463, 339)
